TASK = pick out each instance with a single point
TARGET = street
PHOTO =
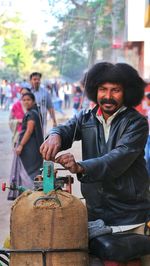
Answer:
(6, 153)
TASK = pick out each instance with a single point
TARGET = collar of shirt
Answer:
(38, 89)
(34, 90)
(107, 124)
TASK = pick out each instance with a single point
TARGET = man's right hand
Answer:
(50, 147)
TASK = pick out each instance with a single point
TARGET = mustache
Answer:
(108, 101)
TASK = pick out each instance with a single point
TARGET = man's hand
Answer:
(68, 162)
(51, 147)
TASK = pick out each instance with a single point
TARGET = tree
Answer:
(18, 54)
(83, 31)
(17, 50)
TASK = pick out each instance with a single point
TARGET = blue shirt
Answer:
(43, 101)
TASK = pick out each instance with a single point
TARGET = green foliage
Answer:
(85, 28)
(17, 54)
(38, 54)
(17, 51)
(82, 31)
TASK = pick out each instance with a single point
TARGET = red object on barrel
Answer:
(3, 186)
(130, 263)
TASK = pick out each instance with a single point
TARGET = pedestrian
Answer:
(113, 175)
(147, 147)
(43, 99)
(0, 96)
(3, 94)
(56, 100)
(27, 159)
(67, 94)
(8, 94)
(61, 97)
(85, 101)
(77, 100)
(17, 113)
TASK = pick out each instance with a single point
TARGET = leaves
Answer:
(85, 28)
(17, 51)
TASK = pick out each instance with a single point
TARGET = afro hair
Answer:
(120, 73)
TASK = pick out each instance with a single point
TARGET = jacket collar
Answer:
(120, 110)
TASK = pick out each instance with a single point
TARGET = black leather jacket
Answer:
(116, 183)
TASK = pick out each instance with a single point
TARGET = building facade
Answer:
(137, 36)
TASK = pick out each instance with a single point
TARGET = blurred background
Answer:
(63, 38)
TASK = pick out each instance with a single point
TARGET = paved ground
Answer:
(5, 166)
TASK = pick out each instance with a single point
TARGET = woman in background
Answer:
(16, 117)
(27, 158)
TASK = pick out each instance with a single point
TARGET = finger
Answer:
(44, 144)
(65, 157)
(59, 159)
(67, 162)
(42, 147)
(48, 154)
(44, 152)
(68, 165)
(70, 168)
(54, 152)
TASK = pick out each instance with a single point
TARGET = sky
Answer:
(36, 14)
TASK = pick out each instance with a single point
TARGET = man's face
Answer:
(35, 82)
(109, 98)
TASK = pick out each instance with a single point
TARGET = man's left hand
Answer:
(68, 162)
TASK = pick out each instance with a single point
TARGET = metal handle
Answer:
(56, 199)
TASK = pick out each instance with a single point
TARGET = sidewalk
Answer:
(5, 166)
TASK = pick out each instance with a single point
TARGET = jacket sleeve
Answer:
(69, 132)
(113, 164)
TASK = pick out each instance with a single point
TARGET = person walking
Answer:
(67, 95)
(113, 175)
(3, 94)
(77, 100)
(8, 94)
(43, 99)
(27, 159)
(147, 147)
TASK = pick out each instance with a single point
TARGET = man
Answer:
(113, 175)
(67, 94)
(43, 99)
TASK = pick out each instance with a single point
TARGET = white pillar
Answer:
(147, 59)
